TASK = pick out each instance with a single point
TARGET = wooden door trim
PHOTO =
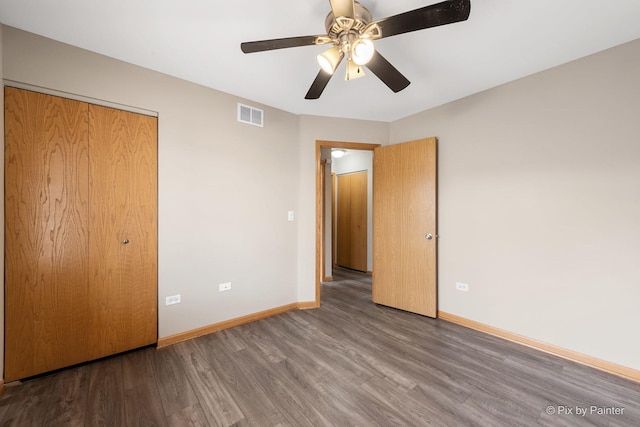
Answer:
(320, 144)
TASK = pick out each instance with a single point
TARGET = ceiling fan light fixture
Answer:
(362, 51)
(351, 30)
(330, 59)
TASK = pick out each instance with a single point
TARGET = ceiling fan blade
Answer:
(447, 12)
(318, 85)
(387, 73)
(262, 45)
(344, 8)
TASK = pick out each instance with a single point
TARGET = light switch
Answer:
(290, 216)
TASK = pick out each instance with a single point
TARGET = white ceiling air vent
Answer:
(250, 115)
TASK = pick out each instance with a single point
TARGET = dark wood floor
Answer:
(348, 363)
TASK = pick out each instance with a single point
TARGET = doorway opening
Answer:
(322, 220)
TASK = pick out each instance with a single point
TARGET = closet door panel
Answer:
(352, 221)
(343, 254)
(46, 232)
(123, 217)
(359, 186)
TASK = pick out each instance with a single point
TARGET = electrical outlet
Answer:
(223, 287)
(462, 287)
(173, 299)
(290, 216)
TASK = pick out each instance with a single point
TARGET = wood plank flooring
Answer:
(349, 362)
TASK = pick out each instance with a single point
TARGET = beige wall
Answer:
(539, 204)
(224, 187)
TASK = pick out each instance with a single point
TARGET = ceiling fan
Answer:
(351, 31)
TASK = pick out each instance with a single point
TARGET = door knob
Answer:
(125, 241)
(428, 236)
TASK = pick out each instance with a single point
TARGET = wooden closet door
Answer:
(123, 218)
(46, 233)
(352, 221)
(343, 244)
(359, 186)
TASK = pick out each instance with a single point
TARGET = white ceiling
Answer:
(199, 41)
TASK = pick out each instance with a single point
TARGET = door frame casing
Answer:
(320, 223)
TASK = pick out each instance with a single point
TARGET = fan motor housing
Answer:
(335, 27)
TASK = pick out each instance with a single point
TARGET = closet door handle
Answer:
(125, 241)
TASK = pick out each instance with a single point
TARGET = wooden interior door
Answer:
(46, 233)
(404, 225)
(352, 221)
(123, 217)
